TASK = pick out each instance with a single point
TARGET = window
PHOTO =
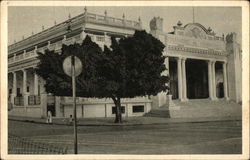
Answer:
(19, 92)
(10, 91)
(34, 100)
(38, 89)
(139, 108)
(28, 89)
(114, 109)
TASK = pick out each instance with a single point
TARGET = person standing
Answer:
(49, 117)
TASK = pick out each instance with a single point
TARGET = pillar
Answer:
(184, 81)
(25, 96)
(13, 95)
(225, 81)
(43, 105)
(106, 39)
(179, 78)
(162, 96)
(35, 84)
(210, 77)
(24, 81)
(214, 80)
(58, 106)
(83, 34)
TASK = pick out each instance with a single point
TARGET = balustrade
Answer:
(34, 100)
(19, 101)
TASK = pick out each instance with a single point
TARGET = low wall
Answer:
(103, 109)
(34, 111)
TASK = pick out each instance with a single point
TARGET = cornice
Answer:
(197, 50)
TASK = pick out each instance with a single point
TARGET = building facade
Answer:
(200, 65)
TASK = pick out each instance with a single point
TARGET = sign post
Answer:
(72, 66)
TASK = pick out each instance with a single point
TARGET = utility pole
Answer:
(74, 102)
(72, 66)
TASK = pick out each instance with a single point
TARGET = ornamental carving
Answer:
(193, 31)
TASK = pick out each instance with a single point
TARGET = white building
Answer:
(200, 64)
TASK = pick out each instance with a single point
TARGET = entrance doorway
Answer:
(52, 109)
(197, 79)
(173, 78)
(219, 80)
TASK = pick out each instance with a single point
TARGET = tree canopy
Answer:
(130, 67)
(57, 82)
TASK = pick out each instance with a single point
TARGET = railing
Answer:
(111, 20)
(90, 16)
(18, 145)
(22, 56)
(34, 100)
(18, 101)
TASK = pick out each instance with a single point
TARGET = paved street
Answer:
(173, 138)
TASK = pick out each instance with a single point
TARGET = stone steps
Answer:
(159, 112)
(205, 108)
(198, 108)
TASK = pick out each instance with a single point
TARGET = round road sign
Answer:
(67, 66)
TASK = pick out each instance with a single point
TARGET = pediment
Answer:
(196, 30)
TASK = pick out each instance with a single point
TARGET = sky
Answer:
(23, 20)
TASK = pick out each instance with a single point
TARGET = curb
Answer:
(127, 124)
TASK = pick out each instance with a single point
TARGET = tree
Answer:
(57, 82)
(130, 67)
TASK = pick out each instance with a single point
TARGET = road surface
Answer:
(223, 137)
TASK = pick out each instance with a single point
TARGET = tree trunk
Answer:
(118, 114)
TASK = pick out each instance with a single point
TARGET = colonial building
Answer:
(200, 64)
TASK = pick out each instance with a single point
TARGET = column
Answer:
(184, 82)
(83, 35)
(214, 80)
(105, 38)
(166, 72)
(58, 106)
(162, 96)
(13, 95)
(44, 98)
(210, 77)
(179, 78)
(24, 81)
(35, 84)
(25, 96)
(225, 81)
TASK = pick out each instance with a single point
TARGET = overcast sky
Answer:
(23, 20)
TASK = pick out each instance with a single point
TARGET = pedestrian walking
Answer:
(49, 117)
(71, 120)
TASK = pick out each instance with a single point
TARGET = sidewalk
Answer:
(126, 121)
